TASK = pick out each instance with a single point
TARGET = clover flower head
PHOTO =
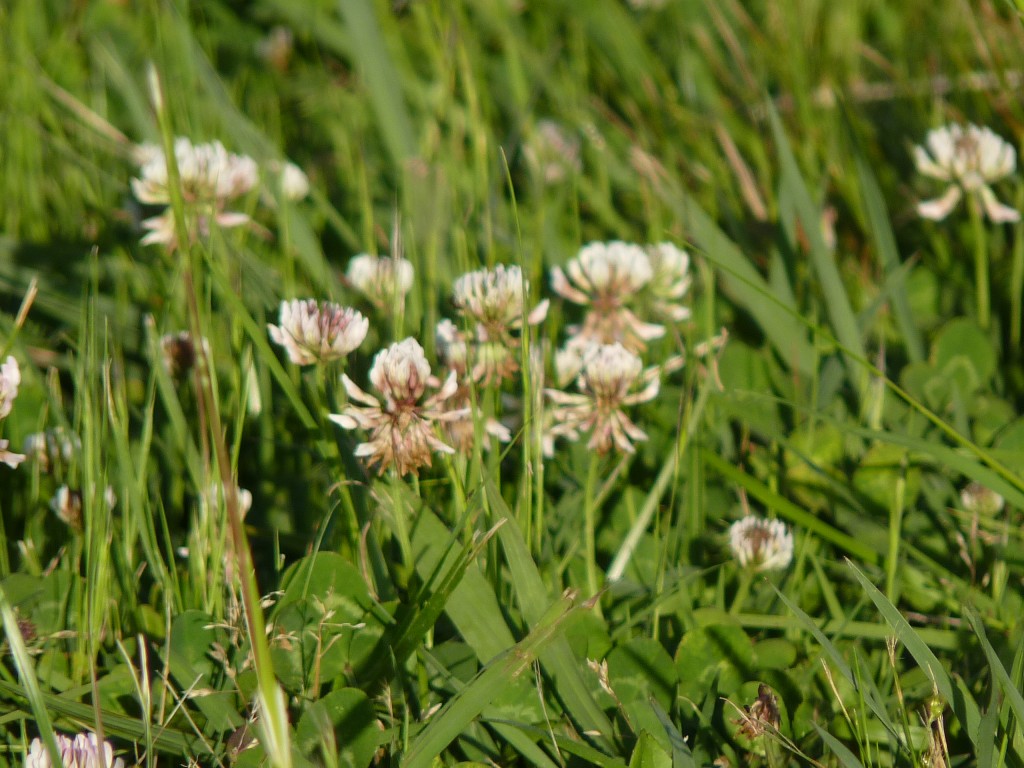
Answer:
(209, 174)
(670, 280)
(606, 278)
(402, 426)
(294, 182)
(317, 333)
(494, 300)
(970, 159)
(84, 751)
(610, 378)
(10, 380)
(981, 501)
(382, 279)
(761, 544)
(552, 152)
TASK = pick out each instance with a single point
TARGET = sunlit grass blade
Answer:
(1010, 689)
(742, 283)
(837, 303)
(963, 705)
(384, 86)
(532, 596)
(846, 758)
(885, 246)
(472, 605)
(27, 675)
(446, 725)
(837, 660)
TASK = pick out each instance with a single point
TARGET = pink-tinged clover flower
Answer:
(317, 333)
(610, 378)
(606, 278)
(384, 280)
(84, 751)
(970, 159)
(402, 427)
(494, 300)
(761, 544)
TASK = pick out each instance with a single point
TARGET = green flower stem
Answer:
(742, 591)
(895, 537)
(981, 286)
(400, 529)
(1017, 288)
(590, 530)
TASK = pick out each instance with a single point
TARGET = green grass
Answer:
(450, 617)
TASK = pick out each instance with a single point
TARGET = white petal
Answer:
(940, 208)
(996, 211)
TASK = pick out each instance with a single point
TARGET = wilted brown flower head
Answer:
(608, 379)
(402, 427)
(180, 354)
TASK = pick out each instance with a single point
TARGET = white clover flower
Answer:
(292, 181)
(494, 300)
(210, 178)
(401, 428)
(761, 544)
(981, 501)
(382, 279)
(209, 174)
(84, 751)
(316, 333)
(606, 278)
(552, 152)
(608, 381)
(670, 280)
(10, 380)
(970, 159)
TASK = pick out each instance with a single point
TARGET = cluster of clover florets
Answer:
(625, 293)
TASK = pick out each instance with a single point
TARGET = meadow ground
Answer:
(511, 383)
